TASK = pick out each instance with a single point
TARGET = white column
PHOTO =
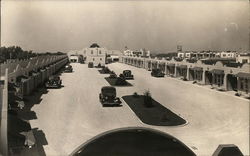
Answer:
(225, 82)
(203, 77)
(188, 74)
(175, 71)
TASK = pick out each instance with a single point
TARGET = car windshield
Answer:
(108, 90)
(127, 71)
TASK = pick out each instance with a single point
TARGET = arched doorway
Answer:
(133, 141)
(208, 78)
(231, 82)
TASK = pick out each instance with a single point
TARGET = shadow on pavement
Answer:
(40, 141)
(20, 133)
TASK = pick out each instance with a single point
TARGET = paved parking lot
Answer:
(71, 115)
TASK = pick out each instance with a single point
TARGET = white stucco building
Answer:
(138, 53)
(227, 54)
(96, 54)
(243, 58)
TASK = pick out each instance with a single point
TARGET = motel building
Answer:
(96, 54)
(196, 55)
(220, 75)
(206, 54)
(243, 58)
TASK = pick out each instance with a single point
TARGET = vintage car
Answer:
(90, 65)
(68, 69)
(157, 73)
(127, 75)
(54, 82)
(108, 96)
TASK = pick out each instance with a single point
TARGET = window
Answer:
(91, 51)
(100, 59)
(244, 61)
(100, 52)
(93, 59)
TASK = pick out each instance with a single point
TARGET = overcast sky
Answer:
(157, 26)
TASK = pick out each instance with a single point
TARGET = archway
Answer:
(231, 82)
(133, 141)
(208, 78)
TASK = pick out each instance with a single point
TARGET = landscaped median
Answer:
(117, 81)
(152, 113)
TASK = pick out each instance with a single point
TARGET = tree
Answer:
(94, 45)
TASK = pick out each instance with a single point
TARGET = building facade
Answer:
(228, 54)
(138, 53)
(219, 76)
(96, 54)
(196, 55)
(243, 58)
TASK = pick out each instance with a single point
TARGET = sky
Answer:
(58, 25)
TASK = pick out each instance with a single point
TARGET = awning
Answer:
(217, 71)
(197, 68)
(183, 66)
(243, 75)
(171, 65)
(162, 63)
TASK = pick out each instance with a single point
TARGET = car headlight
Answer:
(106, 97)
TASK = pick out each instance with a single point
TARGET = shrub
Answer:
(106, 70)
(164, 117)
(135, 95)
(112, 76)
(148, 102)
(120, 81)
(121, 75)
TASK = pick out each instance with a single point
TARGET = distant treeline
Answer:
(16, 52)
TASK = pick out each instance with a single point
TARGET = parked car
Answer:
(68, 69)
(127, 74)
(108, 96)
(90, 64)
(157, 73)
(54, 82)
